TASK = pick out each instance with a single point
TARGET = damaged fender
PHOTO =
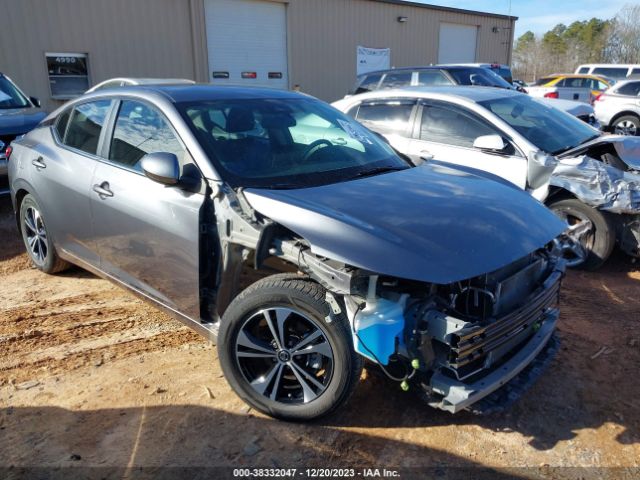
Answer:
(599, 185)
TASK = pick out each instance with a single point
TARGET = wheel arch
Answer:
(623, 114)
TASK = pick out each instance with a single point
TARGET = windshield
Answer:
(548, 128)
(286, 143)
(482, 77)
(10, 97)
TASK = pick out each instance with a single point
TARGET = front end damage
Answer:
(487, 337)
(472, 342)
(605, 174)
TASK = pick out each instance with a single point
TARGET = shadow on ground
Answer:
(115, 443)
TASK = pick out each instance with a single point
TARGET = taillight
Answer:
(7, 152)
(551, 95)
(599, 97)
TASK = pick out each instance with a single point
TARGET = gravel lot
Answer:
(91, 376)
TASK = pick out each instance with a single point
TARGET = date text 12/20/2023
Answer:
(315, 473)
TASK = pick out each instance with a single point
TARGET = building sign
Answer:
(68, 74)
(370, 59)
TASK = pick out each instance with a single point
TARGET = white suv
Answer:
(618, 108)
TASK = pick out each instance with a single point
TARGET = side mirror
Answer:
(161, 167)
(35, 101)
(492, 143)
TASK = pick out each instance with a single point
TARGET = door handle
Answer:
(103, 190)
(39, 163)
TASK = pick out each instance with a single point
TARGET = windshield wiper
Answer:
(378, 170)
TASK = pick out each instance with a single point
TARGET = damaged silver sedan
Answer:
(187, 195)
(592, 181)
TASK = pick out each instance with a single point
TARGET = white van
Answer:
(611, 70)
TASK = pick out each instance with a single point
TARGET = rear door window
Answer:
(386, 117)
(85, 126)
(141, 129)
(396, 80)
(584, 70)
(611, 72)
(433, 78)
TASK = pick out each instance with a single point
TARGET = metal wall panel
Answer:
(324, 34)
(167, 38)
(139, 38)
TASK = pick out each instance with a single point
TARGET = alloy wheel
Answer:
(626, 127)
(36, 235)
(284, 355)
(581, 238)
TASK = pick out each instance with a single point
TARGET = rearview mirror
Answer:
(35, 101)
(494, 143)
(161, 167)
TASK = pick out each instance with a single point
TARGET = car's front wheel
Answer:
(283, 353)
(36, 238)
(588, 227)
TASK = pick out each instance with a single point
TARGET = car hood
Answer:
(627, 149)
(576, 109)
(16, 121)
(430, 223)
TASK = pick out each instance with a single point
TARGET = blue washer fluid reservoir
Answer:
(378, 325)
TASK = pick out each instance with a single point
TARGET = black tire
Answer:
(305, 299)
(626, 125)
(601, 239)
(36, 238)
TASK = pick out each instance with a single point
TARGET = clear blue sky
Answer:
(540, 15)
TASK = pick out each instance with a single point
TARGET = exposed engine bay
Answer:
(454, 343)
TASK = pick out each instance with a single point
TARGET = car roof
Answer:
(473, 94)
(429, 67)
(575, 75)
(178, 93)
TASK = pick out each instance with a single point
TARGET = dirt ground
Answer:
(92, 377)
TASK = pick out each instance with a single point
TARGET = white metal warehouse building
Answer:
(56, 48)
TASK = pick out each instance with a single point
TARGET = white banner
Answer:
(370, 59)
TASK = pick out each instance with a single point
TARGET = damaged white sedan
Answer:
(185, 194)
(590, 180)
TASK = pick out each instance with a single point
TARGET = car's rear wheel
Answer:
(283, 353)
(627, 125)
(36, 238)
(588, 227)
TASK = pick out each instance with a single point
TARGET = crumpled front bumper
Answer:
(459, 395)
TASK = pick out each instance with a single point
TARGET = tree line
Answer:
(563, 48)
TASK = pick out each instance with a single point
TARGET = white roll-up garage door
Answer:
(247, 42)
(457, 43)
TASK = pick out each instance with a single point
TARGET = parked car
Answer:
(18, 115)
(611, 70)
(580, 110)
(130, 81)
(589, 179)
(581, 88)
(434, 76)
(618, 108)
(427, 271)
(503, 70)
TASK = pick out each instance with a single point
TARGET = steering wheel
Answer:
(314, 147)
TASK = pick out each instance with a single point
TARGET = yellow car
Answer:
(581, 88)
